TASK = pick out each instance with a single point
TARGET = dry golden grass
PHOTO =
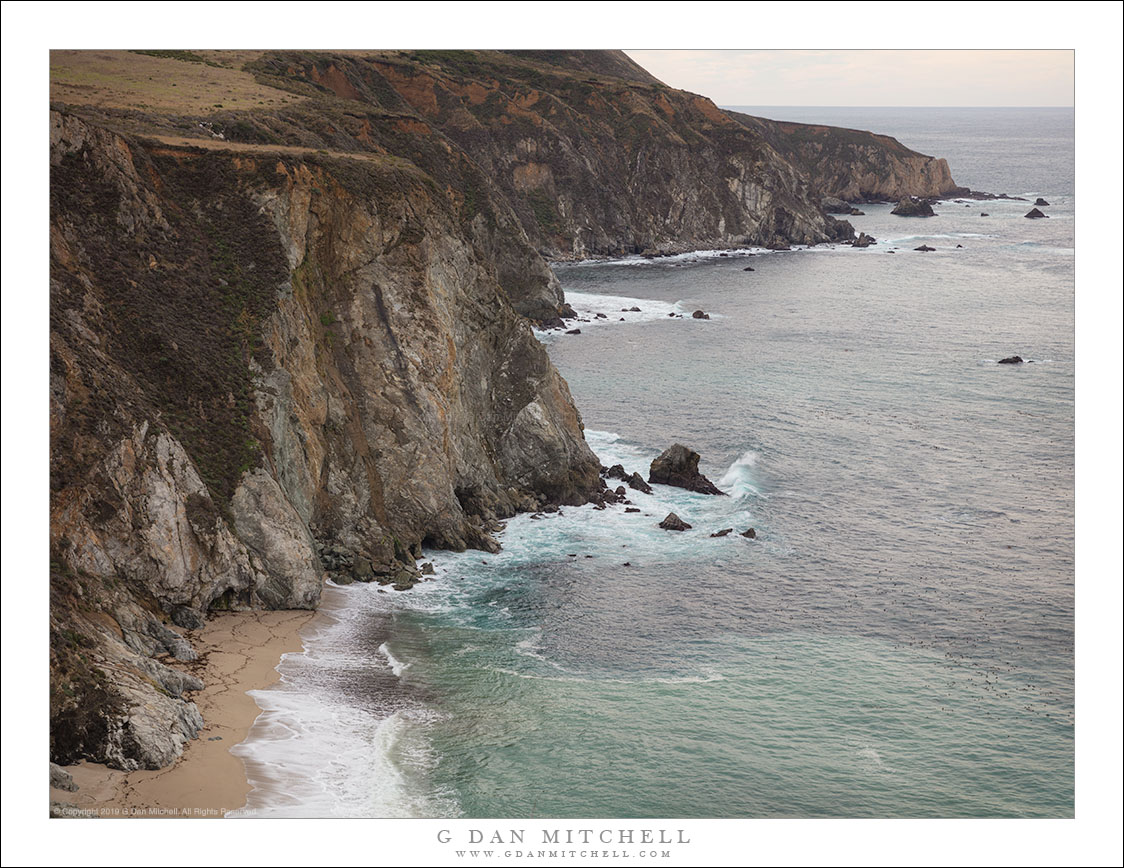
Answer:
(123, 79)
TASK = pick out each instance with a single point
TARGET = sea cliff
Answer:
(294, 335)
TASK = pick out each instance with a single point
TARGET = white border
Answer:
(1093, 29)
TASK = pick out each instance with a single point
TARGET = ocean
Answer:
(898, 640)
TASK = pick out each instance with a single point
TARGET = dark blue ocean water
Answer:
(897, 641)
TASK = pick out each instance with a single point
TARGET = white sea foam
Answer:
(738, 479)
(396, 665)
(674, 259)
(329, 742)
(617, 308)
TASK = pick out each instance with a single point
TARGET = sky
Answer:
(887, 77)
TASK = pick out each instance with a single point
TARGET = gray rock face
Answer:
(280, 543)
(679, 466)
(61, 779)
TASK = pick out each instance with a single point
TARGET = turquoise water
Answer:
(897, 641)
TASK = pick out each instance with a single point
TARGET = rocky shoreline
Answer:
(238, 652)
(295, 342)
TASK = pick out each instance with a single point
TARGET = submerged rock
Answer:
(674, 522)
(912, 207)
(679, 466)
(724, 532)
(925, 248)
(1012, 360)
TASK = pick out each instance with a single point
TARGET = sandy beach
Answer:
(241, 651)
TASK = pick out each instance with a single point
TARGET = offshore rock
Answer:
(863, 240)
(674, 522)
(636, 481)
(912, 207)
(1011, 360)
(679, 466)
(1035, 214)
(1041, 202)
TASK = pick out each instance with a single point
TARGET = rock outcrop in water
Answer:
(674, 522)
(679, 466)
(911, 207)
(293, 339)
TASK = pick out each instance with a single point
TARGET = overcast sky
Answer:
(867, 78)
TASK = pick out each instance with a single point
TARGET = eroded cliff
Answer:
(855, 165)
(253, 353)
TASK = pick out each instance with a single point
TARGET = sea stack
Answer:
(679, 466)
(913, 207)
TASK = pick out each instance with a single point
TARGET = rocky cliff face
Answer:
(585, 149)
(251, 354)
(854, 165)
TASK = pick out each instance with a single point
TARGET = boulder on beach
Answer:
(1034, 214)
(674, 522)
(1011, 360)
(679, 466)
(912, 207)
